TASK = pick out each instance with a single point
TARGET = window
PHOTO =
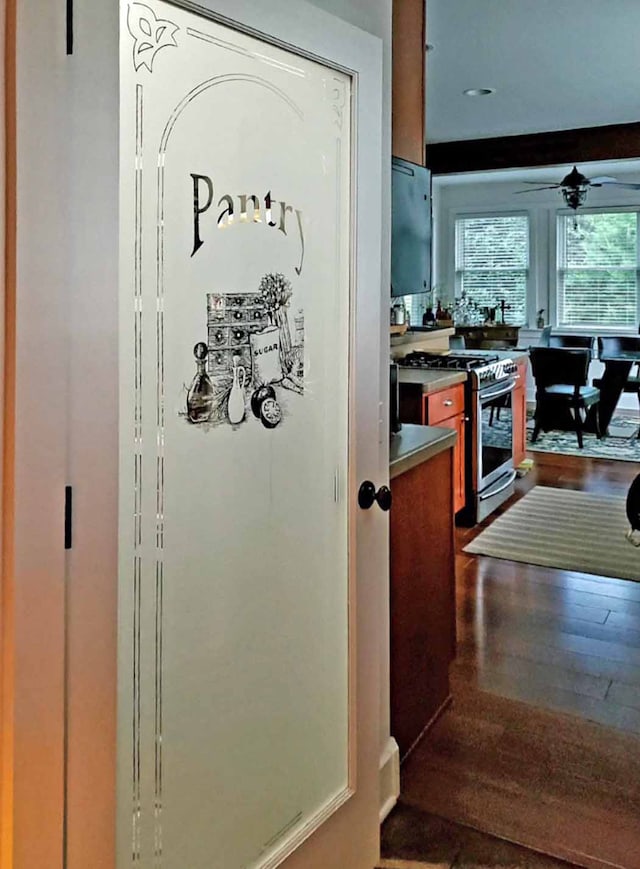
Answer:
(598, 269)
(492, 262)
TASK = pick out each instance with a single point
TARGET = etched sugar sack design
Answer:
(250, 360)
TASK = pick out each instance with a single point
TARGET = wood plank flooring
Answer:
(542, 743)
(552, 782)
(559, 639)
(419, 840)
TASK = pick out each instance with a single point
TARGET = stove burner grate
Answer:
(451, 361)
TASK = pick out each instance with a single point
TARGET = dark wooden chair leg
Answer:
(596, 420)
(491, 415)
(536, 427)
(638, 397)
(578, 419)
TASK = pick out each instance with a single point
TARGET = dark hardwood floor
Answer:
(559, 639)
(541, 745)
(420, 840)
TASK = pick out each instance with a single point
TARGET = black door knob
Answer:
(367, 495)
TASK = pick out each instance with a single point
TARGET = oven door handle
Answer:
(488, 396)
(486, 495)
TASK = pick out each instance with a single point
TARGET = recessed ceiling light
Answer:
(478, 92)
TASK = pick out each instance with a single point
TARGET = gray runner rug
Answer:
(562, 528)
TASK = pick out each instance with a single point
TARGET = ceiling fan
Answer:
(574, 186)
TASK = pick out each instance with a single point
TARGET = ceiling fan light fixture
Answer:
(575, 196)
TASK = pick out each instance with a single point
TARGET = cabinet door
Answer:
(457, 424)
(520, 416)
(422, 614)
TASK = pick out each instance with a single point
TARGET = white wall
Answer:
(496, 191)
(452, 197)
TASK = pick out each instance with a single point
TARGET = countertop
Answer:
(515, 353)
(415, 444)
(434, 379)
(431, 379)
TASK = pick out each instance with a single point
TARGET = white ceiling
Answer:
(555, 64)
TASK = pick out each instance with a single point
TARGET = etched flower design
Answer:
(150, 34)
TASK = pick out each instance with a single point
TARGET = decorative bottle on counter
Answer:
(200, 394)
(236, 396)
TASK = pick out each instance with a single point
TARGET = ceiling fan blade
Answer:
(621, 184)
(550, 183)
(534, 189)
(601, 179)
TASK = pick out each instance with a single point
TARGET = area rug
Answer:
(566, 529)
(621, 444)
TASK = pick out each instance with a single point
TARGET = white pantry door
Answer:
(249, 370)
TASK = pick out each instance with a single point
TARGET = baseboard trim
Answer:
(439, 711)
(389, 777)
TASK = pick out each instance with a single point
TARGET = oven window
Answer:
(496, 419)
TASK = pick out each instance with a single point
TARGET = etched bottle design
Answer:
(236, 396)
(200, 394)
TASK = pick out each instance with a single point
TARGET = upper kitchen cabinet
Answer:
(408, 134)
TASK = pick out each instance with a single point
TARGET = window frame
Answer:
(556, 246)
(481, 214)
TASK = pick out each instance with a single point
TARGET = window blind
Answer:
(598, 269)
(492, 262)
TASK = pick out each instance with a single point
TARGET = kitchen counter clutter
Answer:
(415, 444)
(434, 339)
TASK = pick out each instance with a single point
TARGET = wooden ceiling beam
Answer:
(613, 142)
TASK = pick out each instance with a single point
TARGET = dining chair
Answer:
(561, 384)
(572, 342)
(615, 345)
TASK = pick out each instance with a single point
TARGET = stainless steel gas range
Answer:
(489, 470)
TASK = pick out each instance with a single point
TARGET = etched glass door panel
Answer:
(234, 688)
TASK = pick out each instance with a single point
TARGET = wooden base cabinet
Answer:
(446, 409)
(520, 415)
(457, 423)
(422, 575)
